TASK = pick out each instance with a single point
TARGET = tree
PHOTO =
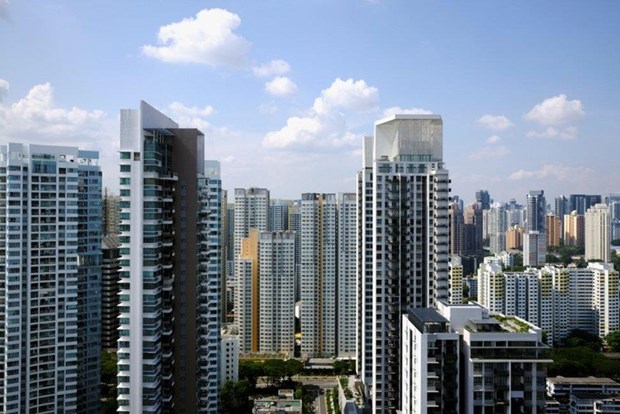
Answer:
(235, 397)
(613, 341)
(579, 338)
(344, 367)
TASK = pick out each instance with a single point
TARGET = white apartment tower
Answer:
(318, 274)
(403, 237)
(169, 334)
(347, 275)
(598, 233)
(277, 293)
(251, 212)
(497, 226)
(50, 279)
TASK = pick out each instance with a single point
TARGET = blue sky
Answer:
(284, 90)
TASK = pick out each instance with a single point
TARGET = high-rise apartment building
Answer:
(294, 224)
(168, 350)
(110, 279)
(472, 229)
(534, 248)
(318, 274)
(229, 355)
(277, 293)
(247, 293)
(347, 275)
(403, 243)
(50, 279)
(514, 238)
(111, 212)
(497, 226)
(456, 280)
(597, 233)
(562, 207)
(456, 227)
(251, 212)
(554, 230)
(278, 215)
(555, 298)
(574, 229)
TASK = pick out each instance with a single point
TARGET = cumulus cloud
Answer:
(551, 132)
(494, 139)
(280, 86)
(37, 114)
(274, 68)
(4, 90)
(347, 95)
(489, 153)
(324, 125)
(556, 110)
(208, 38)
(393, 110)
(191, 116)
(552, 171)
(495, 122)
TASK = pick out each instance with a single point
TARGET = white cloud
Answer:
(494, 139)
(551, 132)
(191, 116)
(208, 38)
(4, 89)
(393, 110)
(556, 110)
(324, 125)
(553, 171)
(37, 119)
(280, 86)
(495, 122)
(37, 115)
(489, 153)
(347, 95)
(273, 68)
(4, 9)
(267, 108)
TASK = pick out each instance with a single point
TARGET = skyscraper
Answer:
(403, 224)
(582, 202)
(597, 233)
(50, 279)
(484, 199)
(347, 275)
(553, 226)
(574, 229)
(111, 209)
(247, 293)
(170, 268)
(496, 216)
(536, 211)
(277, 293)
(251, 212)
(278, 215)
(318, 274)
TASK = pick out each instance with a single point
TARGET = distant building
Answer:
(276, 298)
(497, 226)
(562, 388)
(318, 274)
(534, 248)
(483, 197)
(554, 226)
(536, 211)
(247, 293)
(111, 213)
(582, 202)
(556, 298)
(574, 229)
(514, 238)
(597, 233)
(455, 295)
(229, 355)
(347, 275)
(278, 215)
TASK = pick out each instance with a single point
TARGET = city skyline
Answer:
(523, 92)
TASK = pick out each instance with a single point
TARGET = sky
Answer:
(284, 91)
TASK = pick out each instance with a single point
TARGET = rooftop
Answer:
(582, 380)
